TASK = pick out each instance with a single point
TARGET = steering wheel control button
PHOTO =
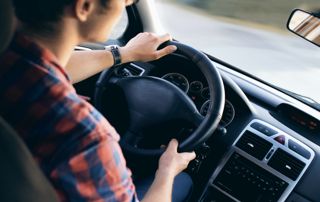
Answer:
(281, 139)
(254, 145)
(299, 149)
(263, 129)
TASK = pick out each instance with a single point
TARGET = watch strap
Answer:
(116, 55)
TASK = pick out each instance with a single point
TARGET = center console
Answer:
(263, 165)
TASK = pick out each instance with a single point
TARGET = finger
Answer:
(189, 156)
(165, 51)
(173, 145)
(164, 38)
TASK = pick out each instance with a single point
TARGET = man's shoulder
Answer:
(24, 57)
(46, 99)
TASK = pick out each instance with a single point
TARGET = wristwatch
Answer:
(114, 49)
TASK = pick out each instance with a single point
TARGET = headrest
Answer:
(6, 22)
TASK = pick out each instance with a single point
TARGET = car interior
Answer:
(253, 142)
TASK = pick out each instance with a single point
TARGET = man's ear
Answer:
(130, 2)
(83, 9)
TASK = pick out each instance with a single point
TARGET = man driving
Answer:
(74, 145)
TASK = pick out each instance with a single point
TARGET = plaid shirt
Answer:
(74, 145)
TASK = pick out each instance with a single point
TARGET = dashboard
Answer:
(272, 138)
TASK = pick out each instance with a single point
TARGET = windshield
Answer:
(251, 35)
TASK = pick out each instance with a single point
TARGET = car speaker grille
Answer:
(254, 145)
(286, 164)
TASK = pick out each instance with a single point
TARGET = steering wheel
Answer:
(152, 101)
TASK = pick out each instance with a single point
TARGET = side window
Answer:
(121, 27)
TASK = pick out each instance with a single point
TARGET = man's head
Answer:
(94, 18)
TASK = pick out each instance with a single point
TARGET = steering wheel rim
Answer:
(208, 124)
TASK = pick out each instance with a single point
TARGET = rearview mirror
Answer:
(305, 25)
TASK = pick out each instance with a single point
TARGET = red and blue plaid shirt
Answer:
(72, 142)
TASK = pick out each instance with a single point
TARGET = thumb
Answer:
(189, 155)
(173, 145)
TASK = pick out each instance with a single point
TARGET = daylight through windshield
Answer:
(251, 35)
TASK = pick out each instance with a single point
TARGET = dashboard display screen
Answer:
(299, 119)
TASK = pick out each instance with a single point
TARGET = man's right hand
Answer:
(171, 162)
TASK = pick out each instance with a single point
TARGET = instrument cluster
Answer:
(200, 95)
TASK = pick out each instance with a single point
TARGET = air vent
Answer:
(135, 70)
(286, 164)
(254, 145)
(129, 70)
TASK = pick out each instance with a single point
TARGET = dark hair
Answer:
(40, 14)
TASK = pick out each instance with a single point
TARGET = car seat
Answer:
(20, 177)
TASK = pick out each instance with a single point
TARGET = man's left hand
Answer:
(143, 47)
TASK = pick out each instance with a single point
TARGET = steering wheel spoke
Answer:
(197, 119)
(131, 138)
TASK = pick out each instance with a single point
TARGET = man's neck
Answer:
(61, 43)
